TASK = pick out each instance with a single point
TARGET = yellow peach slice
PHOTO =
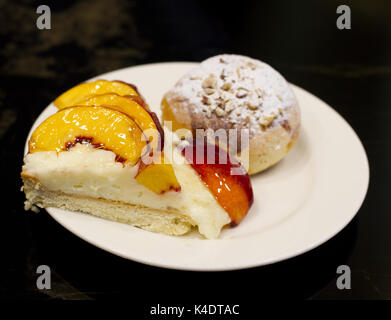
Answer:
(134, 108)
(87, 89)
(158, 177)
(139, 100)
(100, 126)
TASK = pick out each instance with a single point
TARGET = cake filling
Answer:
(90, 172)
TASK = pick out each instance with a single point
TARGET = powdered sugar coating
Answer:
(246, 92)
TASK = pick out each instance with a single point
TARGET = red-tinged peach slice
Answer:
(87, 89)
(136, 108)
(233, 192)
(102, 127)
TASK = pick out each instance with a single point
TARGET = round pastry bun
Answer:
(237, 92)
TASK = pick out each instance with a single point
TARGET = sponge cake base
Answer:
(162, 221)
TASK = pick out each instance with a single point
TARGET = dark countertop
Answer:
(349, 69)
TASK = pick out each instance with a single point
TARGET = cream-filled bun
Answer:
(237, 92)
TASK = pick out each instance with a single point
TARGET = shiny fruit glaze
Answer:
(134, 107)
(233, 192)
(109, 115)
(102, 127)
(87, 89)
(158, 176)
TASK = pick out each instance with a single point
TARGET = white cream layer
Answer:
(91, 172)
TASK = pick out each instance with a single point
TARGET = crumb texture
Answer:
(145, 218)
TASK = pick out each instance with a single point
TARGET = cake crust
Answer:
(162, 221)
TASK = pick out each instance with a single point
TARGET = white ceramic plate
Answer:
(299, 204)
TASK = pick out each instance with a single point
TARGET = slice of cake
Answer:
(110, 157)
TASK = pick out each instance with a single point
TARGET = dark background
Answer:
(349, 69)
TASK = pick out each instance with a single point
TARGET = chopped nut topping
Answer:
(267, 119)
(241, 93)
(209, 91)
(251, 65)
(206, 100)
(226, 86)
(220, 112)
(244, 92)
(251, 105)
(229, 106)
(220, 102)
(209, 82)
(223, 74)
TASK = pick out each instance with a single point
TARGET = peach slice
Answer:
(134, 107)
(87, 89)
(168, 115)
(158, 177)
(100, 126)
(233, 192)
(139, 100)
